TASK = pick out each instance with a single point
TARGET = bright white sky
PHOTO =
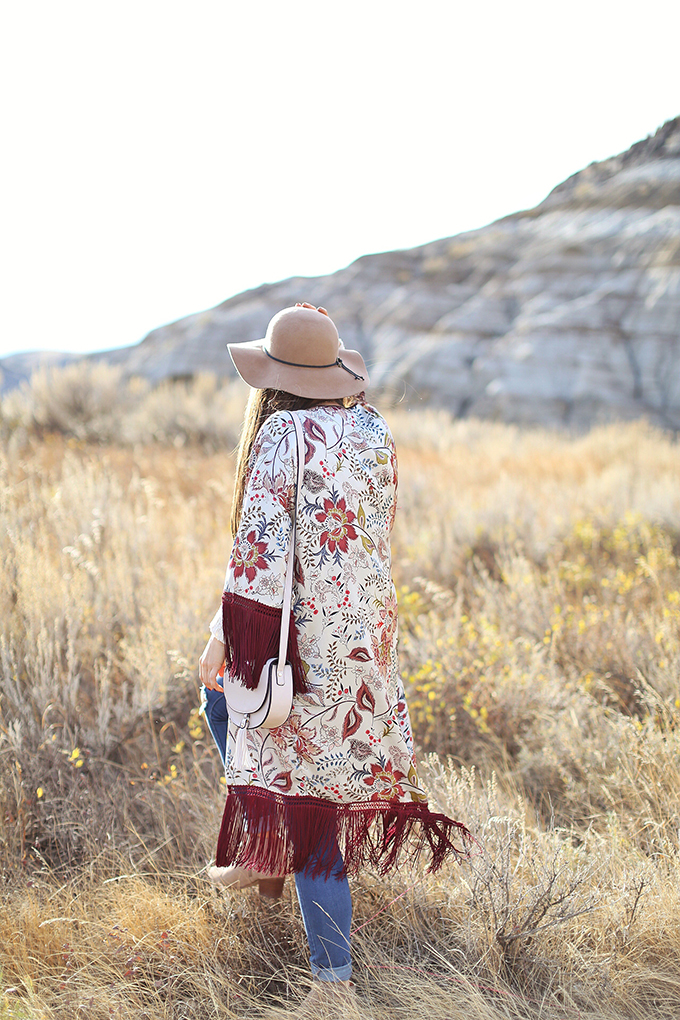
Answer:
(161, 156)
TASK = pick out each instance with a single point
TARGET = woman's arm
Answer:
(211, 663)
(245, 632)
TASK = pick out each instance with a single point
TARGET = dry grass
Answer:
(539, 620)
(97, 403)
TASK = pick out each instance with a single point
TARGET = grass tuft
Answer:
(539, 611)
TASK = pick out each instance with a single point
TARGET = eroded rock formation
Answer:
(565, 314)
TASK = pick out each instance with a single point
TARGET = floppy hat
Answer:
(301, 354)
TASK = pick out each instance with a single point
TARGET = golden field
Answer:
(540, 643)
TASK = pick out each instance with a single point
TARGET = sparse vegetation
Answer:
(94, 402)
(540, 602)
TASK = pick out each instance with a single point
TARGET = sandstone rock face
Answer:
(563, 315)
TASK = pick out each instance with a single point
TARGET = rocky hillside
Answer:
(566, 314)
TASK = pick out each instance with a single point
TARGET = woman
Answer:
(335, 787)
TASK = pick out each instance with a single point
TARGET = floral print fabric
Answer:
(348, 740)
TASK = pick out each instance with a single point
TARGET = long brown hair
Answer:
(261, 404)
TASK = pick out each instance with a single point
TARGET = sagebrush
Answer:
(539, 610)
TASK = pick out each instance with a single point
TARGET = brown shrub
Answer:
(539, 610)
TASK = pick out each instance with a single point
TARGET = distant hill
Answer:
(565, 314)
(15, 368)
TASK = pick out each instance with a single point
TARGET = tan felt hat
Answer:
(301, 354)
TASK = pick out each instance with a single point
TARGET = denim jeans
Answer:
(214, 707)
(325, 904)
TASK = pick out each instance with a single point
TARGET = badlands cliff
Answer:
(565, 314)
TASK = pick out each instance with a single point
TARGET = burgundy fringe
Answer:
(251, 636)
(275, 834)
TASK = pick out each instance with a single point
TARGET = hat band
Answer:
(297, 364)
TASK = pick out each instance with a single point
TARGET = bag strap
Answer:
(288, 587)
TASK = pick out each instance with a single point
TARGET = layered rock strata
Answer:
(563, 315)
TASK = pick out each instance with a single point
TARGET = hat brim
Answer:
(258, 370)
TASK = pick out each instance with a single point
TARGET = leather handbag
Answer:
(269, 704)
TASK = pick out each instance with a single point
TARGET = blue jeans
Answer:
(214, 708)
(325, 904)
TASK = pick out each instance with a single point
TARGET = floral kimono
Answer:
(342, 766)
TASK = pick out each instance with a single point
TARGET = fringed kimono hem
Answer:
(251, 636)
(276, 835)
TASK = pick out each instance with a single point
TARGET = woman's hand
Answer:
(210, 663)
(306, 304)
